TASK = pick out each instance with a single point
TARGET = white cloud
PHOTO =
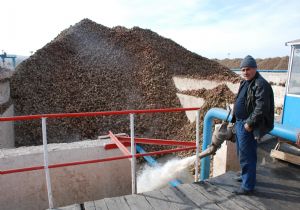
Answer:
(210, 28)
(252, 29)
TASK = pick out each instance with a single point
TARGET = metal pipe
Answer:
(133, 159)
(211, 150)
(150, 160)
(285, 132)
(46, 163)
(207, 136)
(197, 145)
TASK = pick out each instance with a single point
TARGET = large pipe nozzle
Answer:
(224, 132)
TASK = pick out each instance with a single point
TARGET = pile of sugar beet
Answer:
(89, 67)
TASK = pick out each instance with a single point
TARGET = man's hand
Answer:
(247, 127)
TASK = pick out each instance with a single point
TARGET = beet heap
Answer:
(89, 67)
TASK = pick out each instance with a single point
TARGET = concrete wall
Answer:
(7, 132)
(225, 159)
(4, 92)
(184, 84)
(73, 184)
(190, 101)
(7, 135)
(277, 78)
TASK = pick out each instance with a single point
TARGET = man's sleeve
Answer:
(257, 114)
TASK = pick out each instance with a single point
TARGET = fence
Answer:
(118, 142)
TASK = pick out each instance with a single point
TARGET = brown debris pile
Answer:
(280, 63)
(277, 63)
(89, 67)
(220, 97)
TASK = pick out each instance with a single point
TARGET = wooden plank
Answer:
(100, 205)
(212, 194)
(278, 186)
(226, 183)
(157, 200)
(177, 199)
(244, 202)
(116, 203)
(285, 156)
(90, 205)
(198, 198)
(137, 202)
(71, 207)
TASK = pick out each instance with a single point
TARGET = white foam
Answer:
(152, 178)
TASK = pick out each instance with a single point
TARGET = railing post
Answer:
(197, 145)
(133, 159)
(46, 163)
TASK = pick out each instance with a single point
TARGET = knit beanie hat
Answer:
(248, 61)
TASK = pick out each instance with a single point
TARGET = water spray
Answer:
(156, 177)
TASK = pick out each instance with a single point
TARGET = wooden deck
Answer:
(278, 187)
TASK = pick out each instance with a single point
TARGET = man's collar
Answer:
(256, 75)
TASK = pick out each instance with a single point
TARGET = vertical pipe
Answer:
(133, 159)
(46, 163)
(197, 145)
(207, 135)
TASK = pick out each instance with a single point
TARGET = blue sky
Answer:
(214, 29)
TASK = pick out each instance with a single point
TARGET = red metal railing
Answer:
(118, 142)
(192, 145)
(91, 114)
(125, 140)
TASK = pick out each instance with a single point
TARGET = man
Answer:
(253, 116)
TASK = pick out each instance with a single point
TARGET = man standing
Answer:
(254, 117)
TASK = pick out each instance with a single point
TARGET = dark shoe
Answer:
(242, 191)
(237, 178)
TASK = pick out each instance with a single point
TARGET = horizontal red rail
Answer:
(165, 151)
(11, 171)
(157, 141)
(126, 142)
(114, 146)
(91, 114)
(122, 145)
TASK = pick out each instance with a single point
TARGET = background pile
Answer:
(277, 63)
(89, 67)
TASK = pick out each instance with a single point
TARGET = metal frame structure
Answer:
(117, 142)
(291, 100)
(13, 58)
